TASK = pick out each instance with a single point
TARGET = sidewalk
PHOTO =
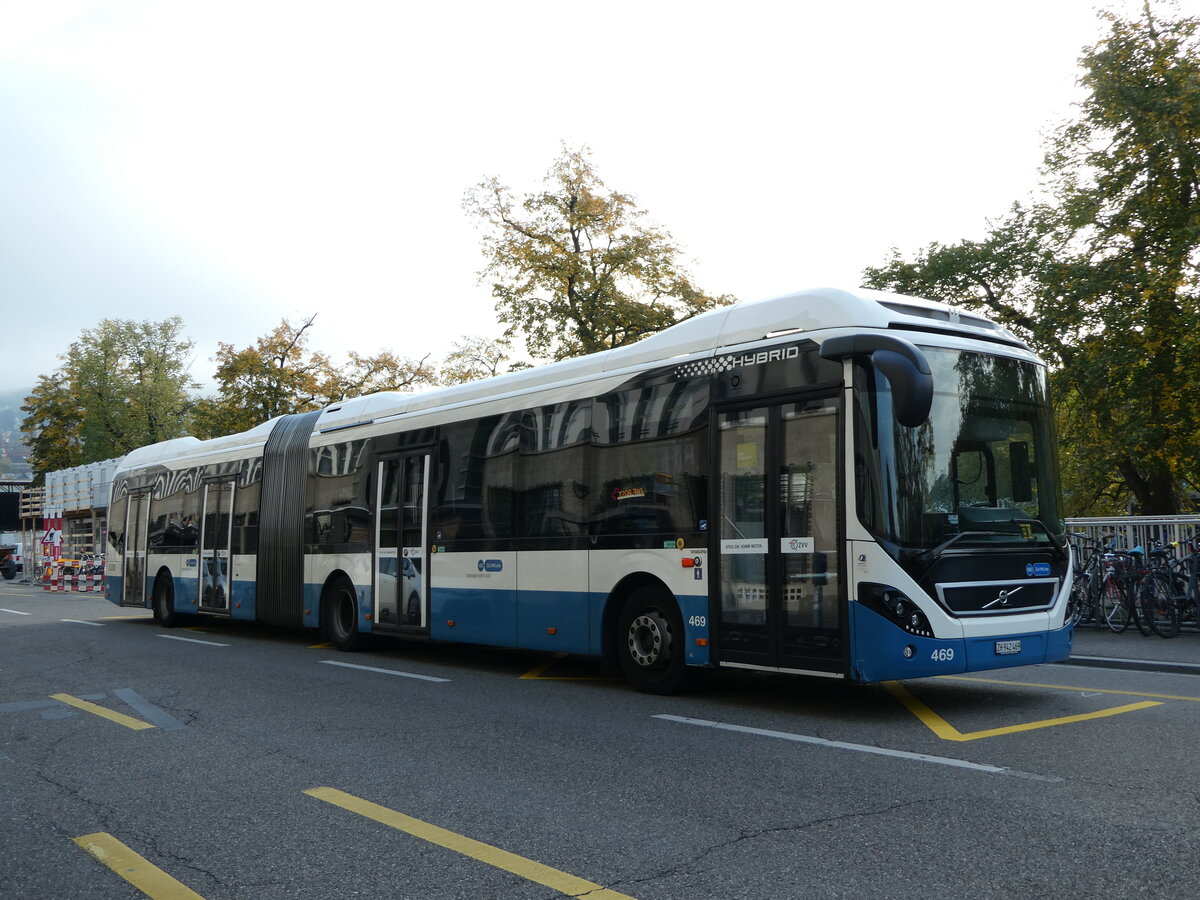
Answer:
(1131, 650)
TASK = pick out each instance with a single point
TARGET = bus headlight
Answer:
(896, 608)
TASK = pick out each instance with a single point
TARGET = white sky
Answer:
(237, 163)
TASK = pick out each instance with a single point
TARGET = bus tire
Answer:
(340, 612)
(164, 602)
(650, 642)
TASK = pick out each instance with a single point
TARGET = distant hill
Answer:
(14, 455)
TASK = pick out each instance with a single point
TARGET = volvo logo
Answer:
(1002, 598)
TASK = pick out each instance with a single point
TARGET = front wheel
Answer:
(340, 610)
(650, 642)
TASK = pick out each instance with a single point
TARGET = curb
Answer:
(1139, 665)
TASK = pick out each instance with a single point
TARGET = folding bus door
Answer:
(137, 514)
(401, 576)
(780, 600)
(216, 538)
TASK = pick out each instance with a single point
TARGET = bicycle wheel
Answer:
(1112, 606)
(1134, 591)
(1158, 604)
(1077, 604)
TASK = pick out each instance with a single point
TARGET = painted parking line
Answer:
(1071, 687)
(15, 612)
(538, 672)
(858, 748)
(396, 672)
(137, 870)
(948, 732)
(536, 872)
(176, 637)
(82, 622)
(102, 712)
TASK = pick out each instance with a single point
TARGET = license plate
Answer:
(1007, 648)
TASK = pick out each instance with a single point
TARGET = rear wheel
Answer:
(341, 615)
(650, 642)
(1159, 606)
(1112, 606)
(164, 603)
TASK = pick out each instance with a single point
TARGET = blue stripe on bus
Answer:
(510, 618)
(879, 650)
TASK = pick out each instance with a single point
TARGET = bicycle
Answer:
(1157, 594)
(1087, 579)
(1185, 580)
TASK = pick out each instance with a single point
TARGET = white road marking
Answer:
(858, 748)
(346, 665)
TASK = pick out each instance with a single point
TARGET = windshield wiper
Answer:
(1059, 548)
(934, 552)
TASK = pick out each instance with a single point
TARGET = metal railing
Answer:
(1136, 531)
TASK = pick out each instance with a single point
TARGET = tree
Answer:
(370, 374)
(1102, 275)
(122, 385)
(278, 376)
(575, 268)
(474, 358)
(52, 426)
(274, 377)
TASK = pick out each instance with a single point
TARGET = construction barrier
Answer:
(73, 575)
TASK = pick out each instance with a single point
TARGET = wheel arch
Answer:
(332, 578)
(612, 610)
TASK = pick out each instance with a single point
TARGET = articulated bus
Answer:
(846, 484)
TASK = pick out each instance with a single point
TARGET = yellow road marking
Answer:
(1067, 687)
(948, 732)
(320, 646)
(536, 672)
(102, 712)
(493, 856)
(138, 871)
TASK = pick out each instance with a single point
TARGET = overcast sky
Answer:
(238, 163)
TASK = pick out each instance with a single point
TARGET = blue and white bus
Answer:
(847, 484)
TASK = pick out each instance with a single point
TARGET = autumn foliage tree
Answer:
(279, 375)
(576, 268)
(1101, 275)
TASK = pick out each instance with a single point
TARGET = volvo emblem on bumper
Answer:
(1001, 598)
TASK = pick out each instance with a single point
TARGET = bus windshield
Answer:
(980, 471)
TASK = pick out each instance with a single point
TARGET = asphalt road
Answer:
(242, 761)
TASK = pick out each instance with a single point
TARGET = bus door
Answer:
(780, 600)
(216, 537)
(137, 529)
(401, 532)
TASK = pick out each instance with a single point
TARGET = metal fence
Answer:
(1136, 531)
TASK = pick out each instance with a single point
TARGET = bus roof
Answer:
(805, 312)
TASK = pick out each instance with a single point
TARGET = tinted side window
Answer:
(553, 476)
(651, 459)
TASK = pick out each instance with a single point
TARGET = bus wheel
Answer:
(650, 642)
(164, 603)
(341, 615)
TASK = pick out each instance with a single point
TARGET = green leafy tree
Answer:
(122, 385)
(1102, 275)
(576, 268)
(52, 427)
